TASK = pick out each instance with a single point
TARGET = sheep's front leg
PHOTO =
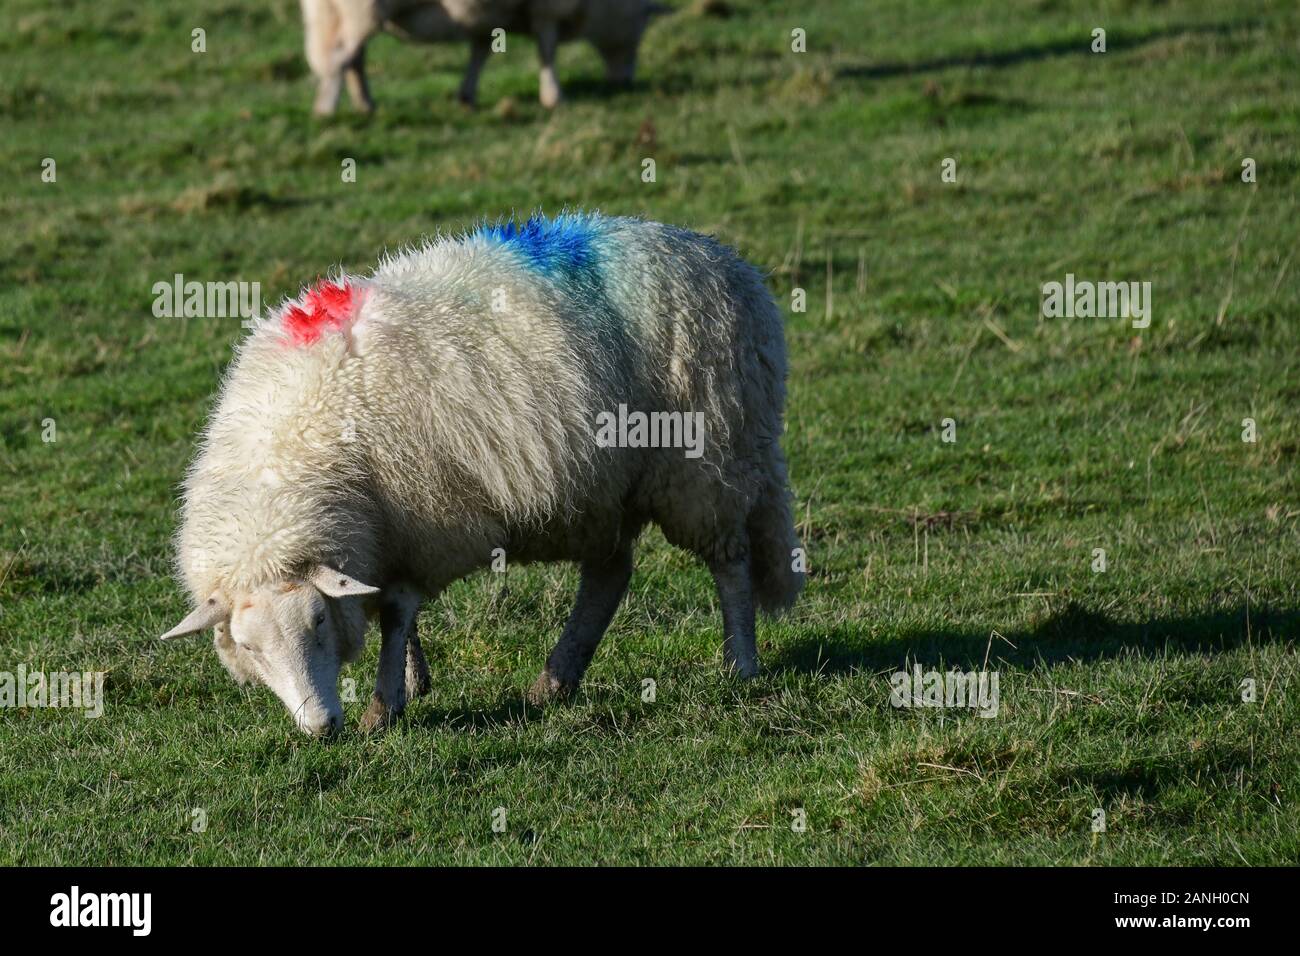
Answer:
(603, 585)
(398, 612)
(548, 39)
(735, 594)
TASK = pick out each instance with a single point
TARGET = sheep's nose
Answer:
(328, 727)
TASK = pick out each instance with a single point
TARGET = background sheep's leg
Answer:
(548, 39)
(357, 22)
(327, 94)
(397, 616)
(358, 88)
(480, 48)
(620, 64)
(336, 48)
(603, 585)
(740, 647)
(321, 22)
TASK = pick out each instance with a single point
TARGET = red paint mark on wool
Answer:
(326, 306)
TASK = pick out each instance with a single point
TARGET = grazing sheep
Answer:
(518, 388)
(337, 31)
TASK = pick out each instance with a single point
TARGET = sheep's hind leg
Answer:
(418, 682)
(602, 588)
(398, 613)
(735, 593)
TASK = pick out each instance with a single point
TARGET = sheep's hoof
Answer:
(548, 689)
(742, 670)
(378, 716)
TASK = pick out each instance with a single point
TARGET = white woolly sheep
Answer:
(518, 388)
(337, 32)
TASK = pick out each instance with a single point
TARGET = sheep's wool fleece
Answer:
(406, 424)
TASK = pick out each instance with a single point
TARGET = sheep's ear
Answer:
(208, 614)
(336, 584)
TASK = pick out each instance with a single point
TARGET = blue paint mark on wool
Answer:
(562, 245)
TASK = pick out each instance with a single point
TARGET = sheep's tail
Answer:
(776, 563)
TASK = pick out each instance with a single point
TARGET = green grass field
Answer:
(1120, 691)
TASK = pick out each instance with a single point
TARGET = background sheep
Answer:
(337, 31)
(397, 430)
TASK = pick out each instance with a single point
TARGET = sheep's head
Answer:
(293, 636)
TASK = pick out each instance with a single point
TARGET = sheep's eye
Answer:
(320, 620)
